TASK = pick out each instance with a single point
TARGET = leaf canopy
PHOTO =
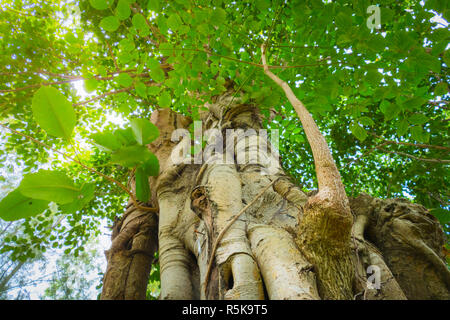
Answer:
(83, 70)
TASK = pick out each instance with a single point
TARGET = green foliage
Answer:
(144, 131)
(84, 196)
(142, 185)
(130, 156)
(53, 112)
(50, 186)
(362, 87)
(100, 4)
(107, 141)
(123, 10)
(110, 23)
(17, 206)
(151, 166)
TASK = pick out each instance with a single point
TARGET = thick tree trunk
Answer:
(242, 230)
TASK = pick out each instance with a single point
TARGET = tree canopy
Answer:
(79, 80)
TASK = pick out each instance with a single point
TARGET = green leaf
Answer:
(154, 5)
(153, 91)
(413, 103)
(218, 16)
(417, 133)
(85, 195)
(16, 206)
(141, 89)
(441, 214)
(157, 75)
(123, 10)
(359, 132)
(165, 100)
(107, 141)
(402, 127)
(90, 85)
(366, 121)
(441, 89)
(53, 112)
(151, 166)
(126, 45)
(50, 186)
(125, 136)
(262, 4)
(389, 110)
(124, 79)
(100, 4)
(142, 185)
(385, 106)
(343, 20)
(131, 156)
(418, 118)
(110, 23)
(140, 24)
(174, 22)
(144, 131)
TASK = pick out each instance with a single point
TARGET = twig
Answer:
(365, 153)
(102, 96)
(38, 85)
(68, 79)
(414, 157)
(425, 146)
(112, 55)
(249, 62)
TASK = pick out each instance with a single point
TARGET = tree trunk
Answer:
(232, 225)
(134, 243)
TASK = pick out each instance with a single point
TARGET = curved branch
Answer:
(327, 173)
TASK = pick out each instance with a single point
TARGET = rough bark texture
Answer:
(134, 243)
(411, 241)
(274, 250)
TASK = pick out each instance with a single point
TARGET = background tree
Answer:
(379, 97)
(67, 282)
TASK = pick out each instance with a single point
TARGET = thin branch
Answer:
(160, 37)
(149, 83)
(112, 55)
(365, 154)
(248, 62)
(414, 157)
(424, 146)
(6, 228)
(102, 96)
(117, 183)
(38, 85)
(68, 79)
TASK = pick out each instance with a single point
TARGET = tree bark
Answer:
(242, 230)
(134, 243)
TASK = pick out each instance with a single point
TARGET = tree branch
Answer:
(424, 146)
(414, 157)
(327, 173)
